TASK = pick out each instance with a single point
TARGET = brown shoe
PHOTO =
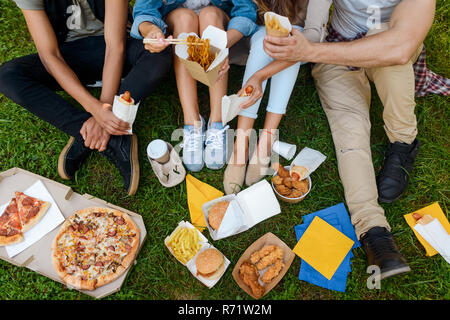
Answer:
(257, 169)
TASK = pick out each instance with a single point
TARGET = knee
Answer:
(211, 15)
(8, 75)
(185, 21)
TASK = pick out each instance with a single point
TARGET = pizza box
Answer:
(267, 239)
(191, 263)
(218, 44)
(246, 209)
(37, 257)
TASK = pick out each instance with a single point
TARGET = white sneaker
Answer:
(216, 145)
(193, 139)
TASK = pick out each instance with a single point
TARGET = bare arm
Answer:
(115, 33)
(47, 46)
(392, 47)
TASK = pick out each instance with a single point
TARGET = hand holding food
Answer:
(253, 89)
(156, 33)
(185, 243)
(106, 118)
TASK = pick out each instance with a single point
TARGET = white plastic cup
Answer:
(157, 150)
(284, 149)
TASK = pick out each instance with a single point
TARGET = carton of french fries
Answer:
(276, 25)
(185, 243)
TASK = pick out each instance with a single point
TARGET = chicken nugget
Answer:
(302, 185)
(257, 255)
(269, 259)
(295, 194)
(288, 182)
(283, 190)
(277, 180)
(273, 271)
(249, 275)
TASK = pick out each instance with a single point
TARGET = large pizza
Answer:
(94, 247)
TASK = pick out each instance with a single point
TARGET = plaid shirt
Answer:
(426, 80)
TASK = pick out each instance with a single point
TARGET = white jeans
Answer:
(281, 84)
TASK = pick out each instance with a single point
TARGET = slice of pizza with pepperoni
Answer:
(31, 210)
(10, 225)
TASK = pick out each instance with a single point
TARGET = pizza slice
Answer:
(10, 225)
(31, 210)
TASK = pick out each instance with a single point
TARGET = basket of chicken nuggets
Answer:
(288, 184)
(263, 265)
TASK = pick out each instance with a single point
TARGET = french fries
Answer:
(185, 243)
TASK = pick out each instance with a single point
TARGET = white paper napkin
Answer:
(49, 221)
(310, 159)
(230, 107)
(435, 234)
(125, 112)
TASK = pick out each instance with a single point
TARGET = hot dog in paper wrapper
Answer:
(125, 109)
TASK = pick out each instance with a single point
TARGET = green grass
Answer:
(32, 144)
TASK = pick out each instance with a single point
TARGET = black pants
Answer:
(26, 81)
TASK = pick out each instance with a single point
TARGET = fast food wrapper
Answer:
(276, 25)
(246, 209)
(310, 159)
(230, 107)
(125, 112)
(218, 43)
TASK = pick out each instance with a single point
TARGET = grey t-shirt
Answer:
(81, 22)
(351, 17)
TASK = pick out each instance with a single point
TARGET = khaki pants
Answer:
(345, 98)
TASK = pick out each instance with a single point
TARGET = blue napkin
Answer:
(338, 217)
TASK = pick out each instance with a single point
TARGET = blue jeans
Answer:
(282, 83)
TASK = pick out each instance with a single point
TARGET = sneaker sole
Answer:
(134, 167)
(395, 272)
(62, 159)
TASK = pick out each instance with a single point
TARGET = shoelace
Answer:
(215, 138)
(192, 140)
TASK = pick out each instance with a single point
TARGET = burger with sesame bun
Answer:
(210, 264)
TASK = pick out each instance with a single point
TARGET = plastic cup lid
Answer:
(156, 149)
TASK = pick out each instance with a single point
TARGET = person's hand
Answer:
(95, 137)
(294, 48)
(156, 33)
(105, 117)
(255, 82)
(223, 70)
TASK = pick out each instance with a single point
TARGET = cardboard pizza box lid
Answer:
(267, 239)
(37, 257)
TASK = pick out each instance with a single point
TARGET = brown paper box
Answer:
(38, 256)
(198, 73)
(267, 239)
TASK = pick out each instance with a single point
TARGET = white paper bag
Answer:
(230, 107)
(248, 208)
(125, 112)
(310, 159)
(435, 234)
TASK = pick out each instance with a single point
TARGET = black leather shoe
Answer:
(382, 251)
(394, 175)
(122, 151)
(72, 157)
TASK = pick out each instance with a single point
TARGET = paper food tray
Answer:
(267, 239)
(248, 208)
(38, 256)
(191, 263)
(218, 43)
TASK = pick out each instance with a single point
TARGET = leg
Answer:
(138, 62)
(396, 89)
(345, 98)
(216, 17)
(184, 20)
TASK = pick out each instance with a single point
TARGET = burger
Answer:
(210, 264)
(216, 213)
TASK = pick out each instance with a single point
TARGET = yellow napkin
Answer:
(435, 211)
(199, 193)
(323, 247)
